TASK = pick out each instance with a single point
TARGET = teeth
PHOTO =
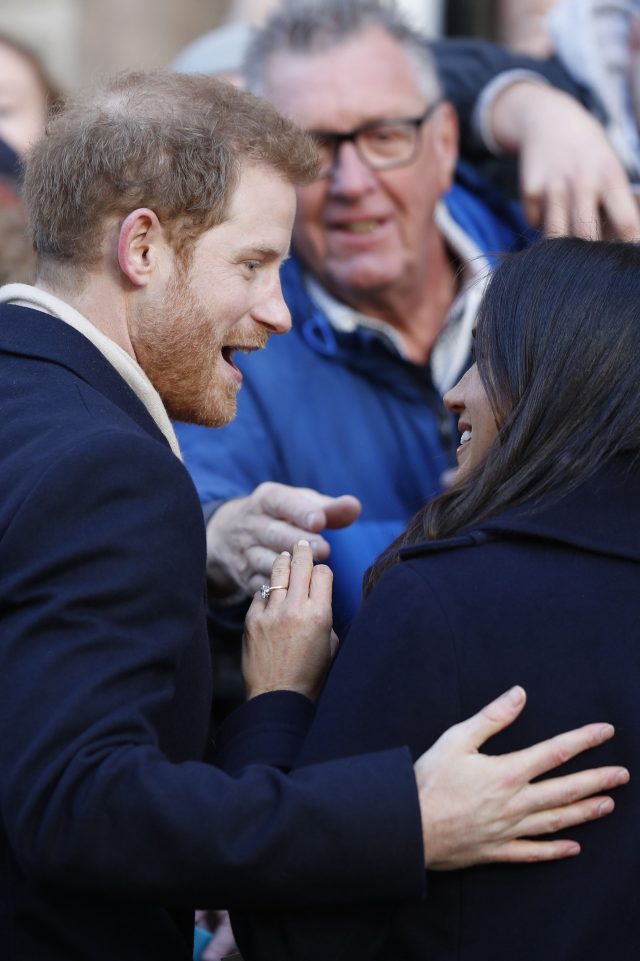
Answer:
(465, 437)
(362, 226)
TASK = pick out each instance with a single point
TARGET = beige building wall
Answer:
(79, 39)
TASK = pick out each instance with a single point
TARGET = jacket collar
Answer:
(32, 333)
(601, 516)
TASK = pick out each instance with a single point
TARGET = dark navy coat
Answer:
(112, 830)
(549, 600)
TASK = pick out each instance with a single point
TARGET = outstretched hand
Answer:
(478, 808)
(246, 534)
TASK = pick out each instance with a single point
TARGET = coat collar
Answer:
(601, 516)
(32, 333)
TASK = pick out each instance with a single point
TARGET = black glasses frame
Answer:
(336, 139)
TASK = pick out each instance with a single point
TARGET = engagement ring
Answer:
(265, 590)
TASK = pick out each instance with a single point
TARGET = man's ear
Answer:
(446, 135)
(138, 245)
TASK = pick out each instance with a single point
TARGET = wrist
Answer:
(518, 111)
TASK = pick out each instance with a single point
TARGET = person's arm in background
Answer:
(469, 67)
(571, 181)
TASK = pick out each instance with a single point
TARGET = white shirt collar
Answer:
(24, 295)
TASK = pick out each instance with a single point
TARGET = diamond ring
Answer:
(265, 590)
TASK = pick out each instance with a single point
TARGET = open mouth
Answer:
(227, 356)
(367, 225)
(228, 352)
(361, 226)
(465, 437)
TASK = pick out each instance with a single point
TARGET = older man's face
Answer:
(361, 231)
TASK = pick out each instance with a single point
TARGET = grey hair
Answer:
(308, 26)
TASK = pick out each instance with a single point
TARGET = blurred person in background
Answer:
(27, 97)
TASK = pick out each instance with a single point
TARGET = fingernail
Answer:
(314, 519)
(573, 850)
(622, 778)
(607, 731)
(605, 807)
(302, 543)
(515, 695)
(285, 554)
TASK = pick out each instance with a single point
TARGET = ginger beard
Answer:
(179, 345)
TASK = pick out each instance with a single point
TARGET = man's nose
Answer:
(350, 176)
(272, 311)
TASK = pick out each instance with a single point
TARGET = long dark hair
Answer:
(558, 350)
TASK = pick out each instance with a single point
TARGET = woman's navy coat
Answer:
(549, 600)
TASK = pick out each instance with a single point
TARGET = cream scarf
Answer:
(24, 295)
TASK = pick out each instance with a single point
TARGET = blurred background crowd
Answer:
(76, 38)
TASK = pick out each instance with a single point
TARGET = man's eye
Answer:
(252, 265)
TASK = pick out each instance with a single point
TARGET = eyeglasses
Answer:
(380, 144)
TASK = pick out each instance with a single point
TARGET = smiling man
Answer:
(391, 250)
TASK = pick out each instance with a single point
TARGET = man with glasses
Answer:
(388, 267)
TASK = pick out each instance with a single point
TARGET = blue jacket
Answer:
(112, 830)
(549, 599)
(344, 414)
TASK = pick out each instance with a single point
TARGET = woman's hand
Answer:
(288, 641)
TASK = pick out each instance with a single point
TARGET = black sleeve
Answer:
(104, 700)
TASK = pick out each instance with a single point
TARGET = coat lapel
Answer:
(32, 333)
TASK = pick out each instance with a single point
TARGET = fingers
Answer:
(300, 577)
(342, 511)
(308, 509)
(584, 207)
(321, 586)
(560, 791)
(622, 217)
(295, 505)
(279, 535)
(547, 755)
(559, 819)
(280, 576)
(492, 718)
(301, 570)
(533, 851)
(556, 221)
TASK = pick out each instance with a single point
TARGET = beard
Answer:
(178, 345)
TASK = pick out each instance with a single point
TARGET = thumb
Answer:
(342, 511)
(494, 717)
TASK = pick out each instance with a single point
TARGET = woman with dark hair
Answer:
(526, 571)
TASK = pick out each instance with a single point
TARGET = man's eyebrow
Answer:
(263, 250)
